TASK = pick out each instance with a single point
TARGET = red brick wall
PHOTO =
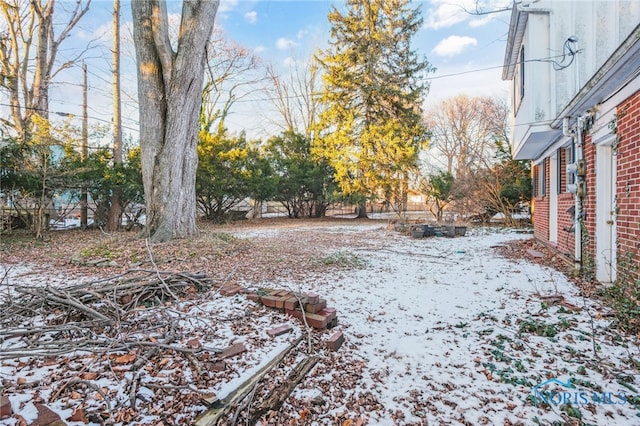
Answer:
(566, 235)
(566, 200)
(628, 185)
(589, 202)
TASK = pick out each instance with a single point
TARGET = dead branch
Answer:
(279, 394)
(221, 407)
(75, 381)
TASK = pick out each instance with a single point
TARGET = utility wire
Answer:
(69, 115)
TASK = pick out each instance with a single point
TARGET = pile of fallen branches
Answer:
(92, 316)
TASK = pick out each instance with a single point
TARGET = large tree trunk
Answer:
(170, 94)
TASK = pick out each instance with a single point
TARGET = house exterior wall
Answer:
(569, 108)
(628, 186)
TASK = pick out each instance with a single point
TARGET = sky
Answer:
(466, 50)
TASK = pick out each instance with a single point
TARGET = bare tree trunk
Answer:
(170, 94)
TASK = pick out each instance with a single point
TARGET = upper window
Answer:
(522, 72)
(518, 81)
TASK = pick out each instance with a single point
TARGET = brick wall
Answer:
(566, 201)
(589, 201)
(628, 185)
(566, 231)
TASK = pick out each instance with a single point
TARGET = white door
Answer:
(606, 254)
(553, 199)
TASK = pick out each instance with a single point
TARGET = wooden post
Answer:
(84, 199)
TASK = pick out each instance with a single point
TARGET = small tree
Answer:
(304, 184)
(103, 178)
(439, 189)
(505, 186)
(35, 174)
(228, 167)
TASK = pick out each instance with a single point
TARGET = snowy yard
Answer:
(438, 331)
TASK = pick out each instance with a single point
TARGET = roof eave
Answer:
(517, 26)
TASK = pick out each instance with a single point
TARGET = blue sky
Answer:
(452, 40)
(461, 46)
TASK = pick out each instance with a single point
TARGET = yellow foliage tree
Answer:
(371, 128)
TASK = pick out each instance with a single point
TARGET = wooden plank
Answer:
(278, 395)
(221, 407)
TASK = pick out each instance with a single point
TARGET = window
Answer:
(518, 81)
(559, 186)
(522, 72)
(542, 181)
(539, 180)
(570, 155)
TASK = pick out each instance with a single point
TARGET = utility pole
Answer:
(84, 199)
(115, 208)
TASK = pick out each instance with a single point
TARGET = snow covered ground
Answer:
(442, 331)
(452, 333)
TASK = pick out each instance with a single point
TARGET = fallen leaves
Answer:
(126, 358)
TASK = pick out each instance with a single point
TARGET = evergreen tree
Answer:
(371, 128)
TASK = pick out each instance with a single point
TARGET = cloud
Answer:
(227, 5)
(454, 45)
(259, 49)
(251, 17)
(445, 14)
(284, 43)
(481, 21)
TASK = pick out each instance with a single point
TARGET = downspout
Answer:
(580, 193)
(580, 181)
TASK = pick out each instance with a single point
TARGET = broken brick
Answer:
(330, 313)
(233, 350)
(230, 290)
(313, 298)
(335, 341)
(281, 329)
(322, 319)
(332, 323)
(314, 308)
(5, 407)
(294, 313)
(218, 366)
(291, 303)
(47, 417)
(317, 321)
(253, 297)
(269, 301)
